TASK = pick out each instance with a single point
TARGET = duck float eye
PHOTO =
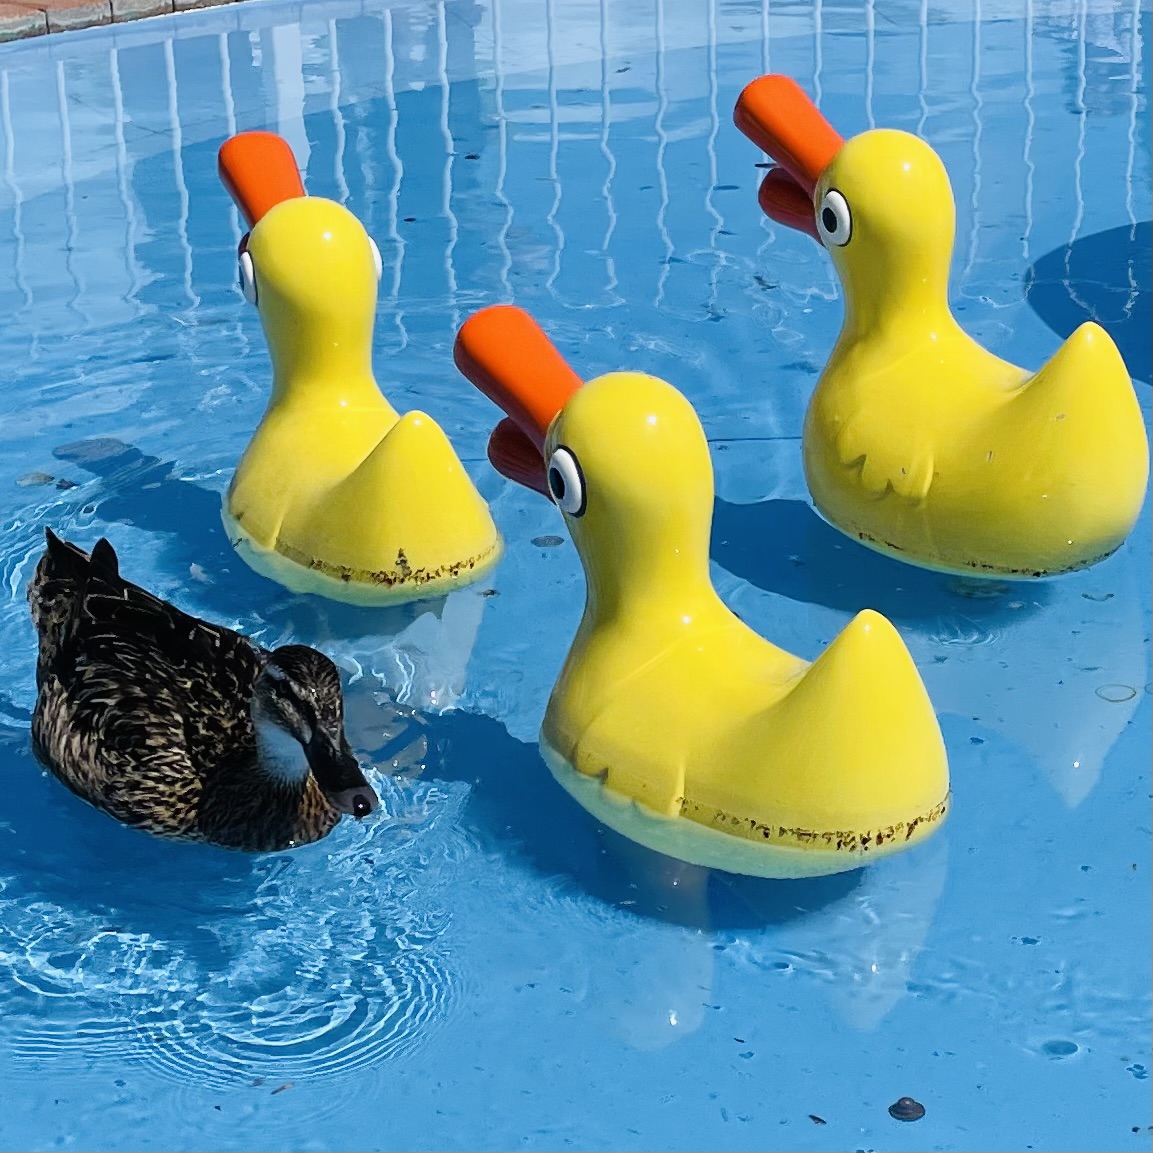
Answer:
(834, 220)
(377, 262)
(247, 277)
(566, 482)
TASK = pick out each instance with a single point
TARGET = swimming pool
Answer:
(485, 967)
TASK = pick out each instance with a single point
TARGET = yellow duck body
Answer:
(337, 493)
(675, 723)
(918, 441)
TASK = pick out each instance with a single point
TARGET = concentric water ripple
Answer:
(283, 967)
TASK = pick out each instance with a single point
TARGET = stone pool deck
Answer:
(19, 20)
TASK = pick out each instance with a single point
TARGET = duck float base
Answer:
(672, 721)
(337, 493)
(917, 441)
(814, 853)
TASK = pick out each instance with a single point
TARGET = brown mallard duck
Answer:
(180, 727)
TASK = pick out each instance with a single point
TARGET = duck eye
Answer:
(247, 276)
(566, 482)
(834, 220)
(377, 262)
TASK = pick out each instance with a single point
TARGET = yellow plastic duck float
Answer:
(672, 721)
(918, 441)
(336, 494)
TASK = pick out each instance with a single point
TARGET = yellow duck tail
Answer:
(1083, 447)
(438, 534)
(858, 764)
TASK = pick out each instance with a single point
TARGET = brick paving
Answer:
(23, 18)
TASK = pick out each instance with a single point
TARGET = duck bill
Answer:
(515, 456)
(779, 118)
(259, 171)
(506, 354)
(339, 775)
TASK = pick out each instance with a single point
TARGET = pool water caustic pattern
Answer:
(483, 965)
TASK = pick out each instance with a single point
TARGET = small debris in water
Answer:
(257, 1081)
(906, 1109)
(547, 541)
(30, 479)
(1098, 596)
(817, 1120)
(288, 1085)
(472, 156)
(1116, 694)
(490, 592)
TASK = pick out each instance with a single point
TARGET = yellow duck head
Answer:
(307, 264)
(336, 494)
(644, 522)
(883, 196)
(644, 525)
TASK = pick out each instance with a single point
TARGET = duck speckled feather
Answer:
(180, 727)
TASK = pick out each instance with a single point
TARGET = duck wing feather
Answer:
(139, 702)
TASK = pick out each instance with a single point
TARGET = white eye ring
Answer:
(247, 277)
(566, 482)
(834, 220)
(377, 262)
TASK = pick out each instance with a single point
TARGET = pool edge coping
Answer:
(28, 19)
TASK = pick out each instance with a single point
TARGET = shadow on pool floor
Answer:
(516, 804)
(1103, 277)
(784, 547)
(861, 932)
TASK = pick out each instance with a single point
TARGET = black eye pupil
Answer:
(829, 220)
(556, 483)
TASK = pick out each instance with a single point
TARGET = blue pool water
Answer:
(485, 967)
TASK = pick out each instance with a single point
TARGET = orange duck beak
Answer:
(778, 117)
(506, 354)
(259, 171)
